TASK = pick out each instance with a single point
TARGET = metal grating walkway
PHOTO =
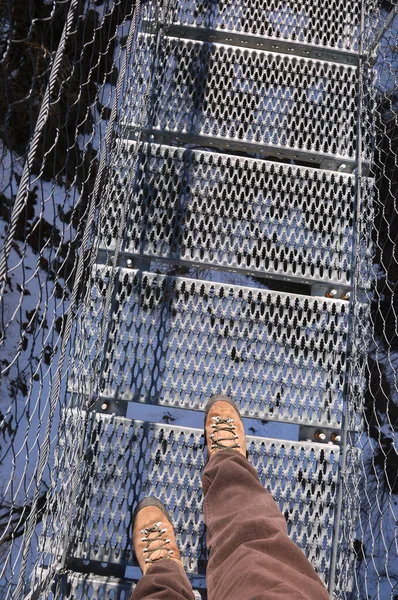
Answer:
(244, 164)
(236, 213)
(141, 459)
(310, 26)
(178, 341)
(244, 100)
(127, 459)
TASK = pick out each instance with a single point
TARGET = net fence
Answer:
(375, 538)
(67, 69)
(63, 69)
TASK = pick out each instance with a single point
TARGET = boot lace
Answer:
(150, 536)
(223, 425)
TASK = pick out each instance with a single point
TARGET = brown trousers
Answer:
(251, 556)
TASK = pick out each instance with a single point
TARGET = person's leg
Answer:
(163, 581)
(251, 556)
(157, 553)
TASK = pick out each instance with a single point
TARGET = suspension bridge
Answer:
(232, 255)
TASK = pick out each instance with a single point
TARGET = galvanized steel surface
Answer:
(135, 459)
(237, 213)
(229, 94)
(333, 25)
(177, 341)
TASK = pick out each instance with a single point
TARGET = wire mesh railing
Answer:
(375, 539)
(66, 70)
(63, 71)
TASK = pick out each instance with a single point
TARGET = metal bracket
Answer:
(320, 435)
(256, 42)
(110, 406)
(266, 151)
(330, 291)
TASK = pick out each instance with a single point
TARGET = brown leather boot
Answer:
(153, 534)
(224, 428)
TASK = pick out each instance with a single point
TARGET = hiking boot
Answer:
(153, 534)
(224, 428)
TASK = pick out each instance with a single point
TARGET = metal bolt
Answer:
(331, 293)
(336, 437)
(346, 296)
(129, 263)
(105, 406)
(319, 435)
(342, 167)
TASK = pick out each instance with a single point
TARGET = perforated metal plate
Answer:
(134, 459)
(323, 24)
(76, 586)
(220, 93)
(235, 213)
(177, 341)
